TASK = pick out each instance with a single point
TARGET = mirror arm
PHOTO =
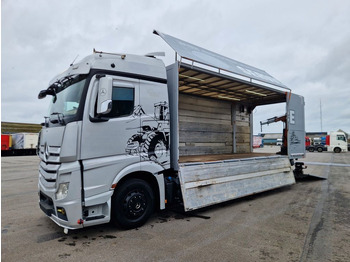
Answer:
(98, 119)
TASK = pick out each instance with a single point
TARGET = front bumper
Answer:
(68, 211)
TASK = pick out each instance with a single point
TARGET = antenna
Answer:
(74, 60)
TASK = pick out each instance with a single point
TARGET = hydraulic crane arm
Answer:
(273, 120)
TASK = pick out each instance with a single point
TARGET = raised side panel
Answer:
(173, 93)
(296, 126)
(210, 183)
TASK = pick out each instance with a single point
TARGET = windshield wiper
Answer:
(51, 90)
(60, 118)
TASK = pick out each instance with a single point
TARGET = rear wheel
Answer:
(319, 149)
(337, 150)
(311, 149)
(133, 204)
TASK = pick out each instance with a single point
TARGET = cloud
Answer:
(303, 44)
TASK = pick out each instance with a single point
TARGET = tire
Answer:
(319, 149)
(311, 149)
(337, 150)
(132, 204)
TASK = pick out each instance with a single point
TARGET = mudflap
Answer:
(300, 176)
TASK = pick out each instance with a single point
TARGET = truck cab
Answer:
(108, 118)
(336, 142)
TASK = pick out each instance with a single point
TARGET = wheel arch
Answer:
(145, 176)
(150, 172)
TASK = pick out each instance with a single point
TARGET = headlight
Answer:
(62, 191)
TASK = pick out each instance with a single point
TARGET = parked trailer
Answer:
(19, 144)
(126, 135)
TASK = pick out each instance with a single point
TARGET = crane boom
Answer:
(273, 120)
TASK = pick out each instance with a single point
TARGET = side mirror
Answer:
(42, 94)
(104, 96)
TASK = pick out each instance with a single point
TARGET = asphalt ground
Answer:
(308, 221)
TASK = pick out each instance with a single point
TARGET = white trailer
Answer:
(127, 135)
(24, 143)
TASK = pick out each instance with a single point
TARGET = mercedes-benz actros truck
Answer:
(126, 135)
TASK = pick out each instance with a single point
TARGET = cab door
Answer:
(296, 126)
(110, 137)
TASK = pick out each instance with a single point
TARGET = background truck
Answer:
(307, 142)
(258, 141)
(127, 135)
(334, 142)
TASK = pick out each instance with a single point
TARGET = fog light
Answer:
(62, 191)
(61, 210)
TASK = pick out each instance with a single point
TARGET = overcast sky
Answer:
(304, 44)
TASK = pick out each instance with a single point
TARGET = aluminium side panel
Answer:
(173, 93)
(205, 184)
(296, 126)
(251, 121)
(197, 54)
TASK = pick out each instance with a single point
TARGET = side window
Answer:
(340, 137)
(122, 102)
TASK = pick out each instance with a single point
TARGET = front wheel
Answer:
(337, 150)
(133, 204)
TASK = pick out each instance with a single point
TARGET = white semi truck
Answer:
(126, 135)
(336, 142)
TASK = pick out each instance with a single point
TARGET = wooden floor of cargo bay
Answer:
(309, 221)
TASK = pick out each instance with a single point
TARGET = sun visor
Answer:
(81, 68)
(205, 57)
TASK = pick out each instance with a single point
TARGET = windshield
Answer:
(67, 99)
